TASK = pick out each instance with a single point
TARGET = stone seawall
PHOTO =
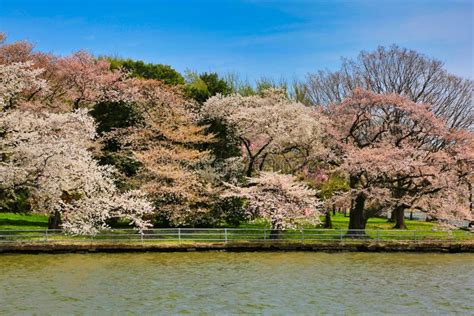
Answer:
(64, 247)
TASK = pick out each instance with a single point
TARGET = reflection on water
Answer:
(236, 283)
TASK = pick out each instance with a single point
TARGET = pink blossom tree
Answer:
(76, 81)
(397, 155)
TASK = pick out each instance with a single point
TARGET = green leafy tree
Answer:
(201, 87)
(15, 200)
(334, 184)
(144, 70)
(111, 116)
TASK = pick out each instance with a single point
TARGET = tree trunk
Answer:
(275, 233)
(275, 230)
(54, 221)
(399, 215)
(262, 163)
(357, 220)
(328, 221)
(471, 198)
(250, 167)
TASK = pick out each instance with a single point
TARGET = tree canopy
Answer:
(140, 69)
(88, 140)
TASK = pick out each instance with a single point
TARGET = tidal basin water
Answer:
(281, 283)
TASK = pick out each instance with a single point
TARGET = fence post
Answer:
(225, 234)
(340, 234)
(179, 234)
(141, 236)
(302, 235)
(414, 235)
(378, 235)
(46, 235)
(264, 233)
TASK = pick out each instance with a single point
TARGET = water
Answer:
(237, 283)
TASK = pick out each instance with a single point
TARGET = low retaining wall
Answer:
(64, 247)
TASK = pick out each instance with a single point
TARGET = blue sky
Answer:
(253, 38)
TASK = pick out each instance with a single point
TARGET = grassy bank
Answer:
(23, 221)
(378, 229)
(11, 221)
(339, 221)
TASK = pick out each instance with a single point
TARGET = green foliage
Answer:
(215, 84)
(231, 210)
(15, 201)
(112, 115)
(226, 145)
(201, 87)
(144, 70)
(126, 165)
(334, 184)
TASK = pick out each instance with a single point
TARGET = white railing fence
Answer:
(228, 235)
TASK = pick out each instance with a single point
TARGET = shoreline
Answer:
(353, 246)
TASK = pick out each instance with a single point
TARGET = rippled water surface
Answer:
(237, 283)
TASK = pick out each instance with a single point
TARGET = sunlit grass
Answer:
(340, 221)
(23, 221)
(377, 229)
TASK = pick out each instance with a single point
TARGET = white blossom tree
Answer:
(16, 78)
(50, 155)
(279, 198)
(268, 126)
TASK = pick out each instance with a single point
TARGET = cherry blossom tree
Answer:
(49, 154)
(279, 198)
(17, 78)
(173, 167)
(269, 126)
(20, 51)
(397, 155)
(84, 80)
(173, 170)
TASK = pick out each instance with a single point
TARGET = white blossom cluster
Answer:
(50, 154)
(268, 125)
(280, 198)
(16, 78)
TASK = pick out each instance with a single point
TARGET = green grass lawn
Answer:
(339, 221)
(377, 228)
(23, 221)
